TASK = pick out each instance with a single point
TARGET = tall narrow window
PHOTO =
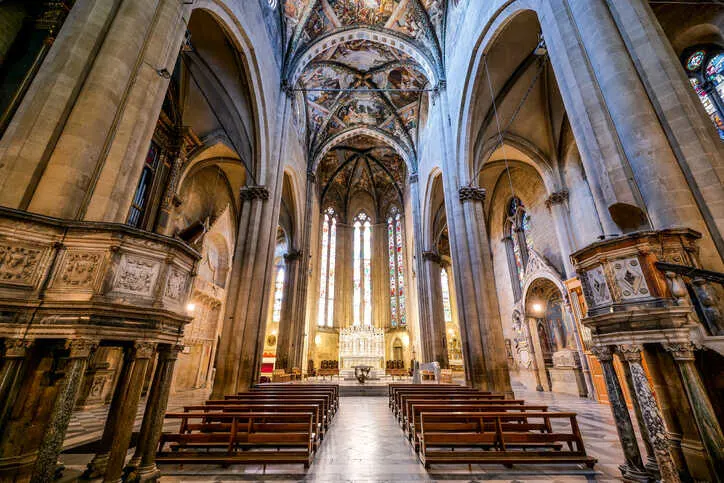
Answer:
(278, 294)
(325, 316)
(705, 67)
(446, 307)
(362, 246)
(521, 245)
(396, 257)
(143, 190)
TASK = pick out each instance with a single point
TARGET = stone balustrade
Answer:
(69, 278)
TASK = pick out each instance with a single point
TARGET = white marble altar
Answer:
(361, 346)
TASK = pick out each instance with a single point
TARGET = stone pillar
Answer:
(98, 465)
(245, 317)
(424, 301)
(287, 325)
(704, 415)
(143, 464)
(126, 398)
(77, 361)
(557, 204)
(633, 468)
(650, 412)
(166, 207)
(536, 355)
(11, 375)
(437, 336)
(487, 365)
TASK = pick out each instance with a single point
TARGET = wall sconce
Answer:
(190, 307)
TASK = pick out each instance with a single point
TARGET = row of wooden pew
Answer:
(269, 424)
(452, 424)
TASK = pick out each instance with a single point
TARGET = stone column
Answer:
(436, 331)
(245, 318)
(126, 398)
(142, 466)
(557, 204)
(98, 465)
(11, 375)
(650, 412)
(77, 361)
(166, 207)
(424, 301)
(287, 325)
(706, 421)
(633, 468)
(536, 355)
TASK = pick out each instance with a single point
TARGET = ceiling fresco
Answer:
(362, 81)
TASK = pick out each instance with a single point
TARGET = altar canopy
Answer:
(361, 346)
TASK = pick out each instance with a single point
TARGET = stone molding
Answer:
(630, 352)
(681, 351)
(472, 193)
(251, 193)
(557, 198)
(143, 350)
(80, 348)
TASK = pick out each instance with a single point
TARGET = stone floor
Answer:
(365, 444)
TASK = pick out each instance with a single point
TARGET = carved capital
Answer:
(17, 348)
(431, 257)
(251, 193)
(557, 198)
(143, 350)
(630, 352)
(80, 348)
(169, 351)
(293, 256)
(602, 353)
(471, 193)
(681, 351)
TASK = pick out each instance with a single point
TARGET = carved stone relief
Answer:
(79, 269)
(597, 287)
(175, 284)
(630, 280)
(136, 275)
(19, 265)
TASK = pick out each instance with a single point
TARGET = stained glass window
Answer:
(278, 295)
(325, 315)
(521, 241)
(362, 271)
(705, 67)
(396, 259)
(447, 308)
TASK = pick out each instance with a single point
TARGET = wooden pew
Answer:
(263, 438)
(405, 401)
(408, 416)
(403, 396)
(395, 390)
(413, 427)
(467, 438)
(261, 398)
(315, 409)
(282, 394)
(331, 390)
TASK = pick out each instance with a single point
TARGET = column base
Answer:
(143, 473)
(634, 475)
(17, 468)
(96, 468)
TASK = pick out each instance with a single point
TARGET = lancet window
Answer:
(705, 67)
(362, 257)
(325, 316)
(446, 307)
(396, 259)
(519, 243)
(278, 294)
(139, 204)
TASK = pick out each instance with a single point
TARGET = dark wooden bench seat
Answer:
(404, 412)
(401, 394)
(239, 438)
(442, 397)
(499, 438)
(260, 398)
(299, 389)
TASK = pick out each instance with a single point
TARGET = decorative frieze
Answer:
(79, 270)
(176, 284)
(80, 348)
(250, 193)
(557, 198)
(472, 193)
(19, 264)
(681, 351)
(137, 275)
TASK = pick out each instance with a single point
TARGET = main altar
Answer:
(361, 346)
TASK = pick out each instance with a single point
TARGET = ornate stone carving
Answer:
(175, 284)
(557, 198)
(630, 280)
(16, 348)
(79, 269)
(136, 275)
(602, 353)
(597, 287)
(630, 352)
(681, 351)
(250, 193)
(472, 193)
(143, 350)
(19, 264)
(80, 348)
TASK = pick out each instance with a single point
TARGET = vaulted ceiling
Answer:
(361, 70)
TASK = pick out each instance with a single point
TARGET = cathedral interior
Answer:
(262, 220)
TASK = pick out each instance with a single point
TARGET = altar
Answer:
(361, 346)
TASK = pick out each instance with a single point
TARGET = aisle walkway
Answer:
(365, 444)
